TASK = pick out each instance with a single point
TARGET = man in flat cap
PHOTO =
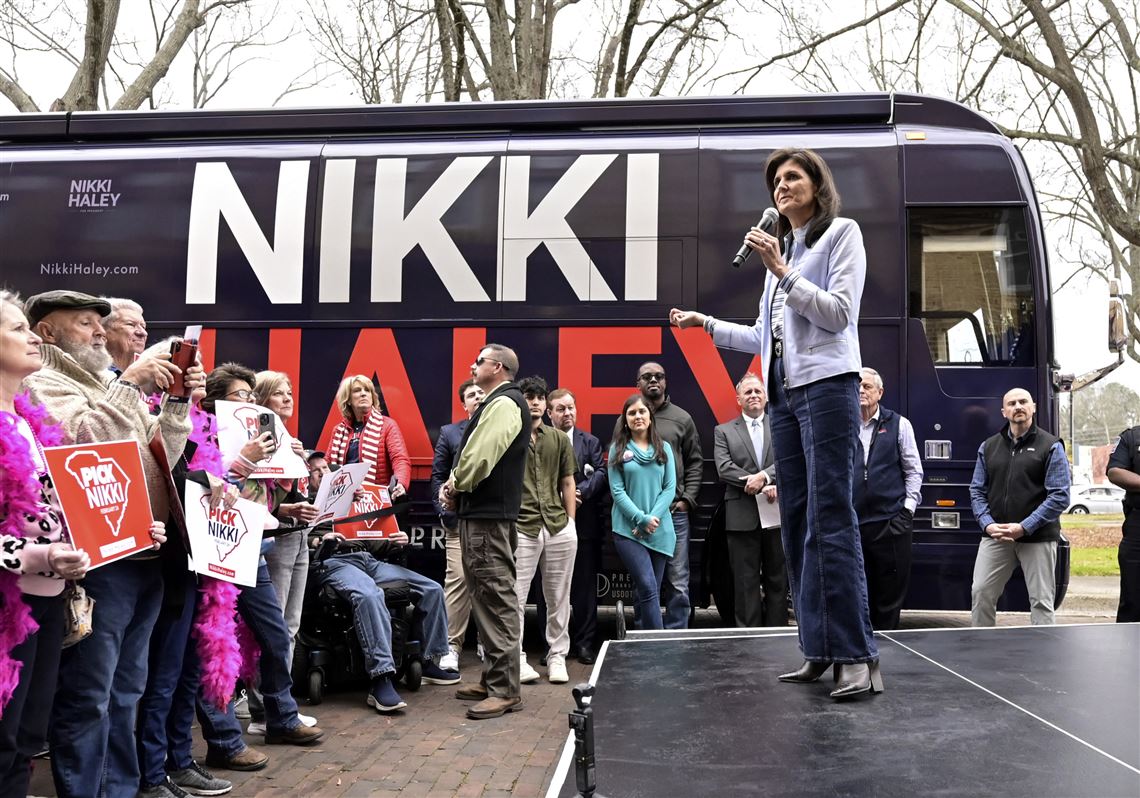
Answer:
(102, 677)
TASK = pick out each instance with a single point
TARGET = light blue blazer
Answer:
(821, 314)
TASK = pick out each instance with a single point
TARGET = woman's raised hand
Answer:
(686, 318)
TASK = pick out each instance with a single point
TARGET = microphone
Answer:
(767, 223)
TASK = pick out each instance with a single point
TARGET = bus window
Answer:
(971, 285)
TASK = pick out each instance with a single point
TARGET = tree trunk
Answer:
(188, 19)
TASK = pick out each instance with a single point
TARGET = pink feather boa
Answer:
(226, 647)
(19, 497)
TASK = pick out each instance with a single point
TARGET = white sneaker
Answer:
(241, 706)
(450, 660)
(527, 674)
(307, 720)
(556, 669)
(256, 727)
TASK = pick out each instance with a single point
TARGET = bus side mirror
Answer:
(1117, 326)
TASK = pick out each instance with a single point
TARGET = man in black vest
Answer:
(1019, 490)
(885, 500)
(1124, 471)
(485, 489)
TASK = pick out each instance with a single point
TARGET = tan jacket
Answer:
(91, 409)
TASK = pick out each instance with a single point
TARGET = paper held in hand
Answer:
(769, 512)
(240, 422)
(375, 498)
(102, 490)
(334, 496)
(224, 544)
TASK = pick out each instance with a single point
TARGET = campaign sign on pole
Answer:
(375, 498)
(102, 490)
(240, 422)
(225, 544)
(334, 496)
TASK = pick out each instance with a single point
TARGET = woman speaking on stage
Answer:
(807, 336)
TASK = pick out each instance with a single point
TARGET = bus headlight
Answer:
(945, 521)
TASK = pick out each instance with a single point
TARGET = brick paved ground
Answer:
(431, 749)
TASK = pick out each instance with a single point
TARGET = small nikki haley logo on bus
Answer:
(93, 195)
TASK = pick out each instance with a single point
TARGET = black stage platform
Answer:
(1009, 711)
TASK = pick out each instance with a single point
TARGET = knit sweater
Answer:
(643, 487)
(93, 409)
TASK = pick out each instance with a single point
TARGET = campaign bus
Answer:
(395, 241)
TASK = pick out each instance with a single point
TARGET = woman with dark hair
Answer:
(258, 607)
(807, 334)
(642, 480)
(366, 434)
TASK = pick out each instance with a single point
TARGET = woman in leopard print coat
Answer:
(34, 561)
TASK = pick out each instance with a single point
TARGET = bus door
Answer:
(974, 282)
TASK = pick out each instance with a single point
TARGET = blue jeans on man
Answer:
(166, 710)
(675, 587)
(356, 576)
(101, 680)
(259, 609)
(816, 441)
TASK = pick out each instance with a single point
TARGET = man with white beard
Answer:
(102, 677)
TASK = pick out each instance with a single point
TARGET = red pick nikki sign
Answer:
(373, 497)
(102, 490)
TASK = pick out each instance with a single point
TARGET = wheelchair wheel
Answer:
(414, 675)
(620, 607)
(316, 687)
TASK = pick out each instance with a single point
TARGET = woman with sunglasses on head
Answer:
(258, 606)
(366, 435)
(807, 334)
(643, 479)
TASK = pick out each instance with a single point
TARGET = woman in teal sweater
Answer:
(642, 480)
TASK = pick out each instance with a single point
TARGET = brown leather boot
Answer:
(299, 735)
(494, 706)
(246, 759)
(472, 692)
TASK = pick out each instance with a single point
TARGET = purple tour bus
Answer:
(395, 241)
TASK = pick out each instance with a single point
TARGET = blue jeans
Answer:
(646, 567)
(259, 609)
(355, 577)
(816, 442)
(101, 680)
(164, 716)
(675, 588)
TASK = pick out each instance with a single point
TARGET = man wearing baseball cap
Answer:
(102, 677)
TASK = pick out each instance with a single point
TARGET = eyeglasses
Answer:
(241, 394)
(652, 376)
(483, 360)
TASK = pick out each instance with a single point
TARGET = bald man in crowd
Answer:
(1019, 490)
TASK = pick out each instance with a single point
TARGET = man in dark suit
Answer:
(742, 449)
(454, 588)
(590, 479)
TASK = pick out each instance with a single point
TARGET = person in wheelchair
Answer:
(356, 571)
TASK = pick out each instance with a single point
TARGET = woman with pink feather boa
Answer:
(34, 561)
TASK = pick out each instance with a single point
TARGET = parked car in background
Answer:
(1099, 499)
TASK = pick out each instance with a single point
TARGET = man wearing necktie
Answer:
(742, 450)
